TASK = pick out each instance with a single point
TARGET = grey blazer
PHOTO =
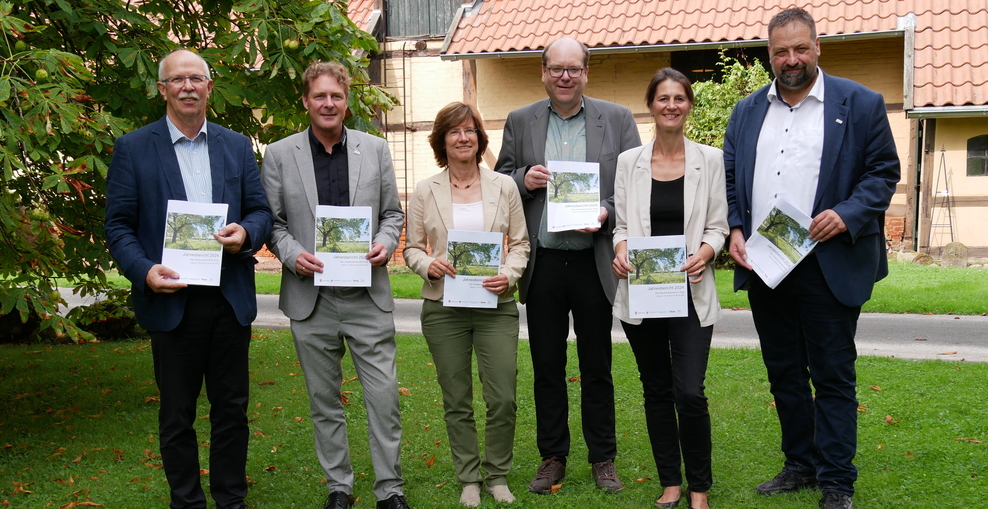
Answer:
(289, 180)
(611, 130)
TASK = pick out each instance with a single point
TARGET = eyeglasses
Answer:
(557, 72)
(455, 133)
(196, 79)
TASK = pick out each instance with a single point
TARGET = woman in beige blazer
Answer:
(673, 186)
(465, 196)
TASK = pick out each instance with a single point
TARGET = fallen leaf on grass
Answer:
(881, 446)
(403, 391)
(643, 479)
(19, 487)
(888, 420)
(271, 468)
(104, 392)
(440, 485)
(574, 379)
(910, 455)
(920, 339)
(118, 453)
(862, 409)
(77, 459)
(298, 419)
(972, 440)
(249, 481)
(5, 503)
(70, 505)
(151, 398)
(555, 488)
(350, 379)
(203, 471)
(258, 433)
(875, 388)
(271, 382)
(432, 461)
(344, 398)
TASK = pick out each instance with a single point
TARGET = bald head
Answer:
(566, 44)
(182, 53)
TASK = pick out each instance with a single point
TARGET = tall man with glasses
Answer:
(328, 164)
(569, 271)
(197, 332)
(824, 145)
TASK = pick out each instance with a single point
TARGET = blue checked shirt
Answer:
(193, 161)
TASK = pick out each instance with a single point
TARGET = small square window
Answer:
(977, 156)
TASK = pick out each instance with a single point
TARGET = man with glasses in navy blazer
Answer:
(197, 332)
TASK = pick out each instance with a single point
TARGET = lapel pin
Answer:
(491, 200)
(357, 152)
(839, 121)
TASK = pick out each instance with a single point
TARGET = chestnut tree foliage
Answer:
(76, 74)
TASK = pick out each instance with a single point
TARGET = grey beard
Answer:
(794, 80)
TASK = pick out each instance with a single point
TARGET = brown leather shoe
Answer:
(550, 472)
(605, 474)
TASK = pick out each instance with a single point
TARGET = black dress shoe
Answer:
(393, 502)
(836, 501)
(339, 500)
(787, 482)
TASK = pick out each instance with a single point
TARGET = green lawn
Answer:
(907, 289)
(78, 423)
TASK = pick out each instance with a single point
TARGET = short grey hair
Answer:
(161, 63)
(790, 15)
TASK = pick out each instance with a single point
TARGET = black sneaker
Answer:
(836, 501)
(787, 482)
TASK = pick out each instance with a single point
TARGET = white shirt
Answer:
(469, 216)
(787, 158)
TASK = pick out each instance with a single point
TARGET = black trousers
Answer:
(209, 344)
(565, 281)
(672, 358)
(807, 335)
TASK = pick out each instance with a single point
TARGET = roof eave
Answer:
(966, 111)
(653, 48)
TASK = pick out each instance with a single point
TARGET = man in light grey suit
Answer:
(569, 271)
(328, 164)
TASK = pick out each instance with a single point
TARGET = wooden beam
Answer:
(470, 82)
(926, 189)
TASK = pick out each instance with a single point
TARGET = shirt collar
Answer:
(578, 112)
(177, 135)
(316, 143)
(816, 91)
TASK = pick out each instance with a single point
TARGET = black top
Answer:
(666, 213)
(332, 172)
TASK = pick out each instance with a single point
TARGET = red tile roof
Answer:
(359, 11)
(951, 36)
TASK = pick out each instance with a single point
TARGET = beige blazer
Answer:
(705, 203)
(430, 217)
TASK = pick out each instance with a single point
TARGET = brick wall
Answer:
(895, 232)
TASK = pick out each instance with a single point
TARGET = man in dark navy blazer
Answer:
(197, 332)
(825, 145)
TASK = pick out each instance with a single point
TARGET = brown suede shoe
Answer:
(550, 472)
(605, 474)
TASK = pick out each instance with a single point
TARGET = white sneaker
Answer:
(501, 493)
(470, 496)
